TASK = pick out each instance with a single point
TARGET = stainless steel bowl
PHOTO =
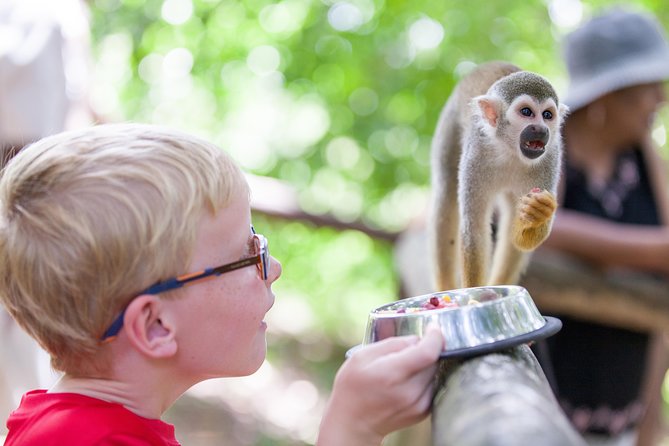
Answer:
(480, 319)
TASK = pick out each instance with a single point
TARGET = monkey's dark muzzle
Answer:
(533, 140)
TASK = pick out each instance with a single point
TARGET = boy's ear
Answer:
(147, 329)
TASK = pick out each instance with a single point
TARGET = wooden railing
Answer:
(500, 399)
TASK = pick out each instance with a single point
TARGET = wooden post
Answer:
(500, 399)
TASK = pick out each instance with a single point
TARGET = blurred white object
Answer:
(44, 66)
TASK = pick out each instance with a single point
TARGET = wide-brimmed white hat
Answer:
(614, 50)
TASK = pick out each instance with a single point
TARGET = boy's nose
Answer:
(275, 270)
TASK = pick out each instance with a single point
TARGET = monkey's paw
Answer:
(536, 208)
(533, 220)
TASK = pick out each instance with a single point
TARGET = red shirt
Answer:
(56, 419)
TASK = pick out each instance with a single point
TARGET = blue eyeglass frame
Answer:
(262, 260)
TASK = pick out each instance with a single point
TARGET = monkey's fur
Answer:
(487, 155)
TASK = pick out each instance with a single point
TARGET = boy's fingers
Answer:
(386, 346)
(433, 340)
(424, 377)
(425, 353)
(425, 399)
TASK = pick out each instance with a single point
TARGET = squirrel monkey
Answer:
(497, 146)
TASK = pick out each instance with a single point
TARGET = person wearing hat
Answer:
(613, 212)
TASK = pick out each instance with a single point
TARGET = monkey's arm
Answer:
(534, 218)
(476, 234)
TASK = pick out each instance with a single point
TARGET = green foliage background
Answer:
(338, 99)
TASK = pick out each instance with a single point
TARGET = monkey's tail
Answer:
(444, 217)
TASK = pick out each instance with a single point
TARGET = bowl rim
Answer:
(378, 311)
(551, 326)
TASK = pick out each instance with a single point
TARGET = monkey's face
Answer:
(527, 126)
(533, 124)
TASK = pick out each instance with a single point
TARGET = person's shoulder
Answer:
(73, 419)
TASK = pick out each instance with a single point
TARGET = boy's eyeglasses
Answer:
(261, 259)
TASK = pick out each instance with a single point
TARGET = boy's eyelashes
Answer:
(250, 247)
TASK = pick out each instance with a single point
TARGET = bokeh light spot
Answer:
(177, 12)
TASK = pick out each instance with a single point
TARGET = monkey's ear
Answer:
(563, 110)
(490, 109)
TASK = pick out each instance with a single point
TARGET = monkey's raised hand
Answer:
(533, 219)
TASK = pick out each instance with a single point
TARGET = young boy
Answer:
(101, 231)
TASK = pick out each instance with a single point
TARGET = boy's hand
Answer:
(383, 387)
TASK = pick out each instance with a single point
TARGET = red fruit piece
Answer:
(486, 296)
(434, 301)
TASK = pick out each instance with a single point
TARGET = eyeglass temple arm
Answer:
(175, 283)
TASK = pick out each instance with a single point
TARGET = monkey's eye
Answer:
(526, 111)
(547, 115)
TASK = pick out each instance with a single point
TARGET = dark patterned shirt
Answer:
(597, 370)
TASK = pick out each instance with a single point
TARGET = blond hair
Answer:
(90, 218)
